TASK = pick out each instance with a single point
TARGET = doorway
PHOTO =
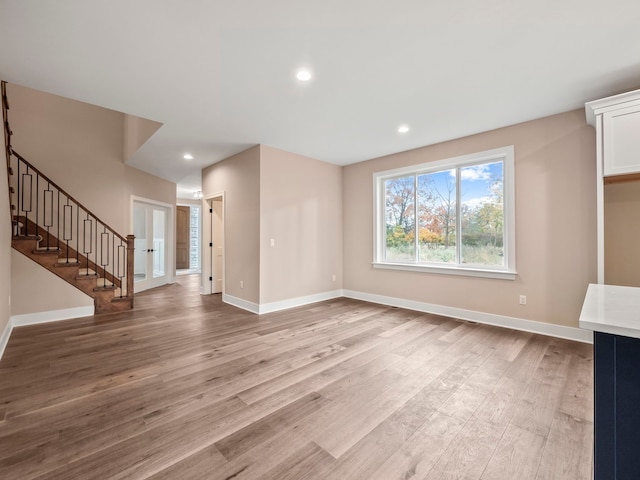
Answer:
(152, 253)
(188, 227)
(183, 215)
(213, 264)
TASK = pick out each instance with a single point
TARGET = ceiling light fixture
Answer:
(187, 156)
(197, 195)
(303, 75)
(403, 128)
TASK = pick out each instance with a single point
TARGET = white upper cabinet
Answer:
(617, 123)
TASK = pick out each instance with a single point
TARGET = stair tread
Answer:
(46, 252)
(67, 263)
(84, 272)
(84, 276)
(27, 237)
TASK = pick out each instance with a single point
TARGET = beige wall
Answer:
(622, 234)
(555, 225)
(80, 147)
(238, 177)
(301, 210)
(137, 131)
(53, 293)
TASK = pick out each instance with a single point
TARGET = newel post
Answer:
(130, 243)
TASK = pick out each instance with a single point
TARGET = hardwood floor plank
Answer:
(234, 445)
(418, 455)
(202, 465)
(577, 396)
(468, 453)
(568, 452)
(517, 456)
(307, 463)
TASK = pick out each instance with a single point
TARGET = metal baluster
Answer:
(104, 242)
(18, 197)
(84, 237)
(58, 225)
(27, 177)
(37, 199)
(68, 213)
(97, 248)
(113, 256)
(121, 256)
(48, 221)
(78, 235)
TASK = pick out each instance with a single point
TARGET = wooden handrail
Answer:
(7, 132)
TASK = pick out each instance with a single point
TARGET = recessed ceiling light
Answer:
(187, 156)
(403, 128)
(303, 75)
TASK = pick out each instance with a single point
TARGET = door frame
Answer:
(170, 227)
(207, 238)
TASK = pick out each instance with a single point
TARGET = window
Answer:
(452, 216)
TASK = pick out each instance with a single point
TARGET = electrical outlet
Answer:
(241, 283)
(333, 277)
(273, 242)
(523, 299)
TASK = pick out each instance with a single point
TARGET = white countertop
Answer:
(612, 309)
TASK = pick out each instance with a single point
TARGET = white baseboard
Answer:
(240, 303)
(41, 317)
(560, 331)
(299, 301)
(263, 308)
(51, 316)
(4, 339)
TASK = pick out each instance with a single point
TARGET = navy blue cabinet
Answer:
(617, 407)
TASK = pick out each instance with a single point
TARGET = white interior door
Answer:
(217, 251)
(151, 229)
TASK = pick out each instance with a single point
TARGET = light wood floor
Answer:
(185, 387)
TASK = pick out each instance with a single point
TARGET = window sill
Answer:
(468, 272)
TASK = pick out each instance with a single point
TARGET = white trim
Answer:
(599, 200)
(206, 260)
(240, 303)
(298, 302)
(51, 316)
(459, 161)
(559, 331)
(469, 272)
(602, 105)
(4, 339)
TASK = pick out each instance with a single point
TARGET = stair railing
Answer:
(39, 207)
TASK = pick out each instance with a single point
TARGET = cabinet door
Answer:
(617, 412)
(621, 140)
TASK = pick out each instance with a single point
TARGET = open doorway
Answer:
(188, 227)
(213, 257)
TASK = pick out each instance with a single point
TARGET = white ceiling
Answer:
(220, 74)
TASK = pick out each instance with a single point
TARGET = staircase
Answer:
(56, 231)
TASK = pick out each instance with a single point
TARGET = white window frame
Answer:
(506, 272)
